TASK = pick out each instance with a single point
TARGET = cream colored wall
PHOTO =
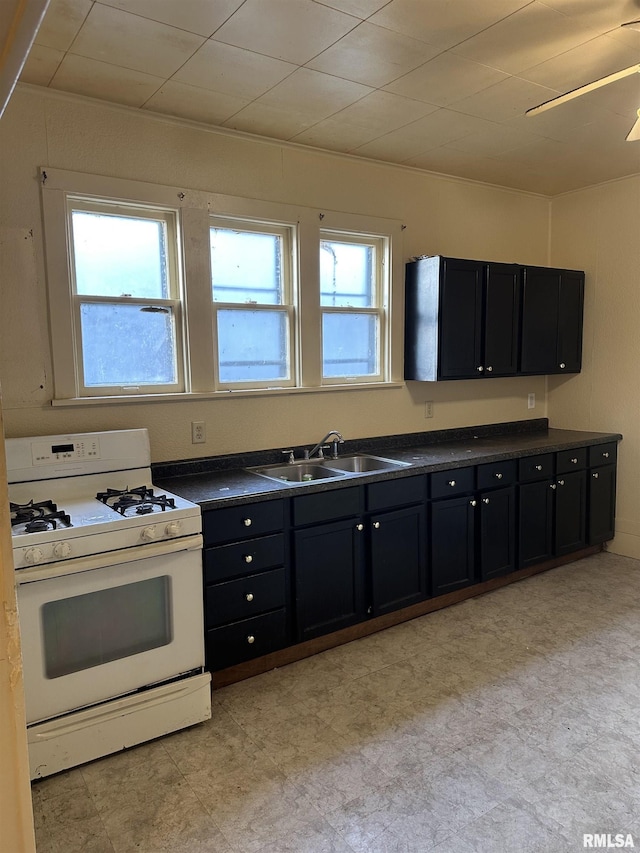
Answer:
(442, 215)
(598, 229)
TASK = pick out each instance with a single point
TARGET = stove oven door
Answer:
(98, 628)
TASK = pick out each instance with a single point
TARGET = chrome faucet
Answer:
(338, 439)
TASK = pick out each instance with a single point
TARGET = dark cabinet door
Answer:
(602, 504)
(570, 512)
(497, 541)
(398, 559)
(460, 321)
(539, 343)
(570, 307)
(329, 581)
(452, 544)
(535, 523)
(501, 319)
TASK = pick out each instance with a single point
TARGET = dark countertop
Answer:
(223, 481)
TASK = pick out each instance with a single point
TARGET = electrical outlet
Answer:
(428, 409)
(531, 401)
(198, 432)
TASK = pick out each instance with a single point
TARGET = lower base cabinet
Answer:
(497, 533)
(570, 513)
(397, 559)
(535, 523)
(452, 544)
(601, 504)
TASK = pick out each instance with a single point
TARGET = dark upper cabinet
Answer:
(552, 306)
(461, 319)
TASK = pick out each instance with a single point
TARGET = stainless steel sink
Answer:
(363, 464)
(298, 472)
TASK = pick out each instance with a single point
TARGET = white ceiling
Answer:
(441, 85)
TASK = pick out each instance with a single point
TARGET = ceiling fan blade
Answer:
(632, 25)
(582, 90)
(634, 133)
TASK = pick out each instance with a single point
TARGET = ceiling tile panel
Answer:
(107, 82)
(202, 17)
(493, 141)
(336, 135)
(372, 55)
(505, 100)
(292, 31)
(61, 22)
(232, 70)
(311, 93)
(530, 36)
(358, 8)
(446, 79)
(191, 102)
(129, 41)
(268, 120)
(443, 23)
(384, 112)
(42, 63)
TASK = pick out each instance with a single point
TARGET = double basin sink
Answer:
(309, 471)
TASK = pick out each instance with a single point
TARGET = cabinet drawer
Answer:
(390, 493)
(247, 639)
(338, 503)
(495, 474)
(571, 460)
(446, 484)
(603, 454)
(243, 558)
(239, 522)
(245, 597)
(538, 467)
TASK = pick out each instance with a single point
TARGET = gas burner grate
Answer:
(141, 499)
(38, 516)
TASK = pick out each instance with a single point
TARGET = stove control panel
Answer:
(78, 450)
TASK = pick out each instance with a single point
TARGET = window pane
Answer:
(349, 345)
(127, 345)
(120, 256)
(246, 267)
(98, 627)
(347, 275)
(253, 345)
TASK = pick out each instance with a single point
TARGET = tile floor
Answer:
(507, 723)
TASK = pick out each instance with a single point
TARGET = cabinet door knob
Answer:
(247, 522)
(489, 369)
(473, 503)
(452, 483)
(562, 365)
(251, 639)
(248, 558)
(538, 467)
(498, 476)
(574, 461)
(606, 454)
(249, 596)
(360, 527)
(485, 500)
(553, 486)
(480, 369)
(376, 524)
(595, 475)
(561, 482)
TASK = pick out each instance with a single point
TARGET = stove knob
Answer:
(148, 534)
(62, 549)
(34, 555)
(173, 528)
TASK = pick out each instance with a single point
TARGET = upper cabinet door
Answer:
(570, 307)
(501, 319)
(540, 293)
(460, 315)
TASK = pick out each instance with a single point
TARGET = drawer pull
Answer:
(248, 558)
(249, 596)
(595, 476)
(452, 483)
(498, 476)
(360, 527)
(376, 524)
(251, 639)
(538, 467)
(574, 461)
(606, 454)
(485, 500)
(247, 522)
(473, 503)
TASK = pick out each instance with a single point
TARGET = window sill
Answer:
(220, 395)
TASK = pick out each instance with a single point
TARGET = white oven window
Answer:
(89, 630)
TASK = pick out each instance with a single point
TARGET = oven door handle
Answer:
(109, 558)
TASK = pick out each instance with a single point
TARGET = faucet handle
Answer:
(321, 450)
(289, 453)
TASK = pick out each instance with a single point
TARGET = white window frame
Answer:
(287, 233)
(193, 210)
(378, 309)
